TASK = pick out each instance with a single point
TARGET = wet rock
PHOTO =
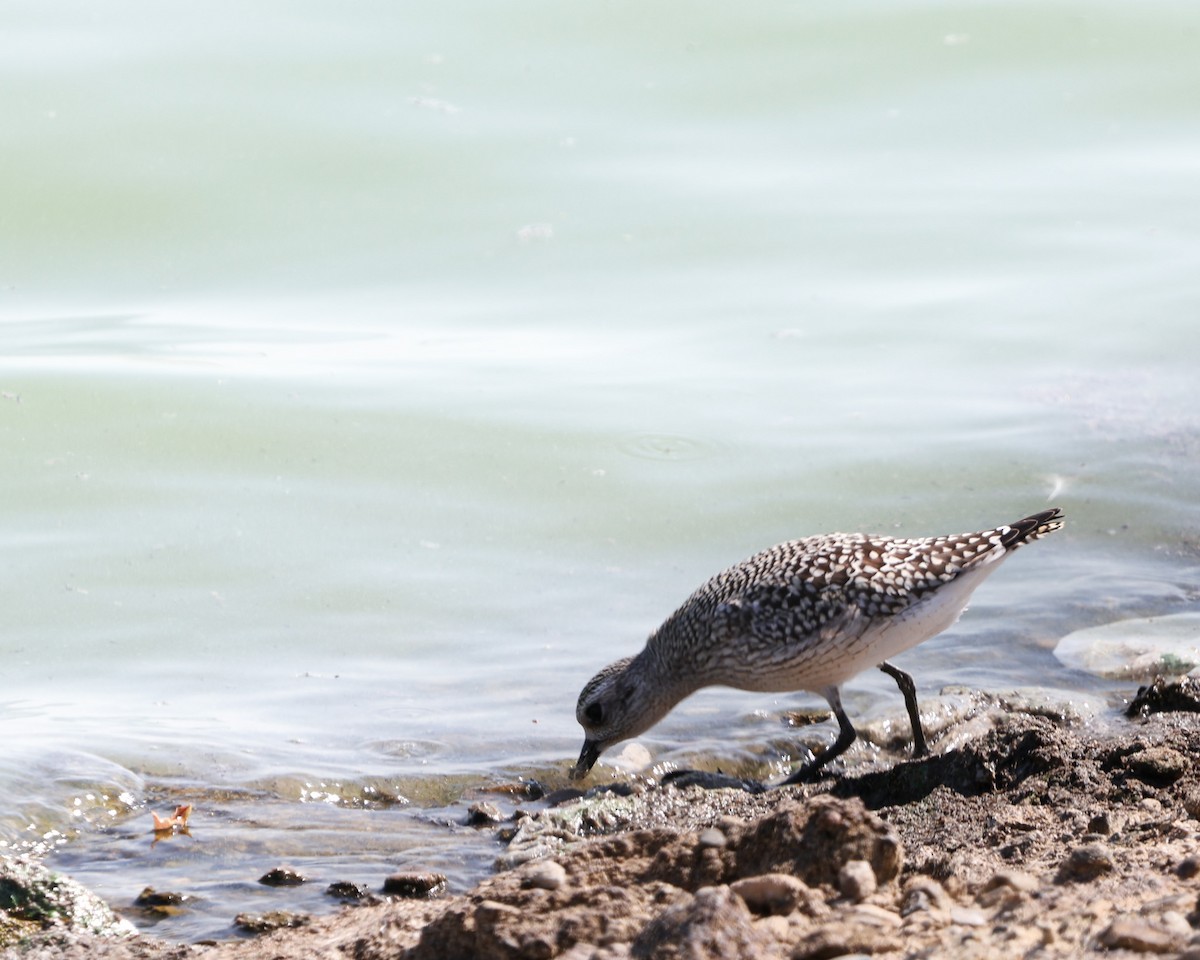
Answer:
(272, 920)
(33, 898)
(483, 814)
(345, 890)
(1138, 934)
(545, 875)
(415, 886)
(777, 894)
(1166, 695)
(1086, 863)
(713, 924)
(1157, 766)
(282, 877)
(856, 880)
(160, 903)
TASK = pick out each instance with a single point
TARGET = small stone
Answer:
(545, 875)
(483, 814)
(282, 877)
(967, 916)
(273, 920)
(1015, 879)
(1088, 862)
(842, 939)
(772, 894)
(875, 916)
(777, 927)
(1151, 805)
(345, 890)
(712, 837)
(925, 893)
(1135, 933)
(1187, 868)
(712, 923)
(1100, 824)
(856, 880)
(1176, 923)
(1157, 766)
(415, 886)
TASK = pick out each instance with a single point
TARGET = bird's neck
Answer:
(675, 673)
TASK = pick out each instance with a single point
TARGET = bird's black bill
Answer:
(587, 759)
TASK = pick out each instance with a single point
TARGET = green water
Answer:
(368, 380)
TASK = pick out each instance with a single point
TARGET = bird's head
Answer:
(619, 702)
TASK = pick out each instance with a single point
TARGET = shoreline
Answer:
(1037, 836)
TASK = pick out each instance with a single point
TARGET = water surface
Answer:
(367, 382)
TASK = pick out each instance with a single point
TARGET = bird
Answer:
(804, 615)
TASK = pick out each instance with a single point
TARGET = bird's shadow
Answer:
(1028, 748)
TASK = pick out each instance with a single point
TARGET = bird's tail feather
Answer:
(1031, 528)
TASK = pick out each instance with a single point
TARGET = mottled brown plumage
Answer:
(803, 615)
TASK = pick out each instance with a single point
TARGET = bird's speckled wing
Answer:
(800, 593)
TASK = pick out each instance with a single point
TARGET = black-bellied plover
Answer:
(803, 615)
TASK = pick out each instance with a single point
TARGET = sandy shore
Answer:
(1038, 838)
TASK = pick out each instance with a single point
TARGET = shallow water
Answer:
(366, 384)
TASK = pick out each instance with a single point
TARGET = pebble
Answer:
(1088, 862)
(875, 916)
(419, 886)
(771, 894)
(1158, 766)
(282, 877)
(712, 837)
(843, 940)
(925, 893)
(545, 875)
(1188, 868)
(856, 880)
(1135, 933)
(968, 916)
(1015, 879)
(777, 927)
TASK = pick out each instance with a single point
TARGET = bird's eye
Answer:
(594, 713)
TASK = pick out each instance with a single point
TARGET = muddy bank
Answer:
(1035, 837)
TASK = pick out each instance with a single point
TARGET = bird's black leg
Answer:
(846, 736)
(909, 689)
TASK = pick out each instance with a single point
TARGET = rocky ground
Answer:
(1038, 838)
